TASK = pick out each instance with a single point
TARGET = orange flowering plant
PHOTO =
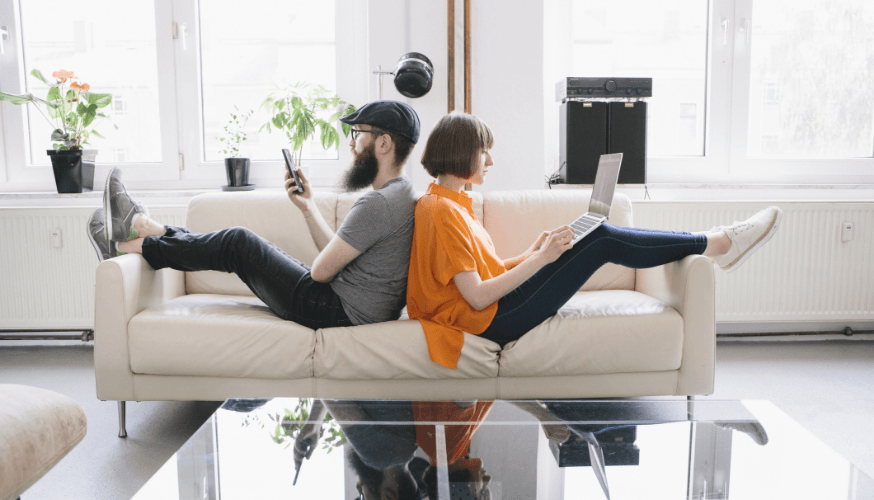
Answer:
(69, 108)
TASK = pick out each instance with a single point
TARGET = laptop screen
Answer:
(605, 183)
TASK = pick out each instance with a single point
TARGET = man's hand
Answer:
(303, 201)
(306, 441)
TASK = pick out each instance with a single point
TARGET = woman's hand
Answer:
(537, 243)
(303, 201)
(558, 241)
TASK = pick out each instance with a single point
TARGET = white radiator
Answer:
(46, 287)
(804, 274)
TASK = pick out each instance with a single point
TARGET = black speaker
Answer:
(588, 130)
(627, 135)
(582, 140)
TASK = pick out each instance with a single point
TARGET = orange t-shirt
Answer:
(458, 436)
(448, 239)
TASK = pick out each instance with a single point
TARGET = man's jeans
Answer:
(551, 287)
(279, 280)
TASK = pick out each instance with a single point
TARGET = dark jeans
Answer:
(534, 301)
(279, 280)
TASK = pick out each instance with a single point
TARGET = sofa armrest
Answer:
(125, 286)
(689, 286)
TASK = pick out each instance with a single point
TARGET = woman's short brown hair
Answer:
(454, 145)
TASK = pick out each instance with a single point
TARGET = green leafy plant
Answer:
(69, 108)
(288, 426)
(235, 133)
(300, 111)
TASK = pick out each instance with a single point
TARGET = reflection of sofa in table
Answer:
(171, 335)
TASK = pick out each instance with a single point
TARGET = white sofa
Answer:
(171, 335)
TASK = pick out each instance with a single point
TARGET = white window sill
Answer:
(657, 193)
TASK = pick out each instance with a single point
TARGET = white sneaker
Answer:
(747, 236)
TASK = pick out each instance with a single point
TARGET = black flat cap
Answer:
(391, 116)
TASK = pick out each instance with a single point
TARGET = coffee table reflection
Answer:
(616, 449)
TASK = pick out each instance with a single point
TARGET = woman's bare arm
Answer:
(481, 294)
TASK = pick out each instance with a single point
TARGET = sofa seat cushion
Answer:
(219, 336)
(599, 332)
(396, 350)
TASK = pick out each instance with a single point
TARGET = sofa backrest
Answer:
(269, 214)
(514, 219)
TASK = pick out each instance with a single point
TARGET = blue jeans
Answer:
(534, 301)
(279, 280)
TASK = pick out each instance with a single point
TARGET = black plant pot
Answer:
(238, 171)
(74, 170)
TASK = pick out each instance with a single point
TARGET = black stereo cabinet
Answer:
(589, 129)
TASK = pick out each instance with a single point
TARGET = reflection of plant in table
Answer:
(288, 426)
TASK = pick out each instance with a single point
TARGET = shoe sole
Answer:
(764, 239)
(94, 242)
(107, 214)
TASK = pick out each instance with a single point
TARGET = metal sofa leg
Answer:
(122, 432)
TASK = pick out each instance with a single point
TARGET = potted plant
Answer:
(236, 168)
(71, 111)
(299, 112)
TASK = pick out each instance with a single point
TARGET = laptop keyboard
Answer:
(582, 225)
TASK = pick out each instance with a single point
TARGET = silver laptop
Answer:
(602, 196)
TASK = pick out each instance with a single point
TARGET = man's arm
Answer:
(334, 253)
(337, 255)
(319, 229)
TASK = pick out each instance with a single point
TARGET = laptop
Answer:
(602, 196)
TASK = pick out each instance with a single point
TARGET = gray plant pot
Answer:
(237, 170)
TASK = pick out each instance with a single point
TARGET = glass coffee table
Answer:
(501, 450)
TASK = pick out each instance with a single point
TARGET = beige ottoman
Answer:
(37, 428)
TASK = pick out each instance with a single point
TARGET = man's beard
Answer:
(362, 172)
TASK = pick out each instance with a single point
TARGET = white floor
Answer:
(827, 386)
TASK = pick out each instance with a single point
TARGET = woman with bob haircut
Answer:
(457, 283)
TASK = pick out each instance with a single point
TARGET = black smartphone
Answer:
(291, 170)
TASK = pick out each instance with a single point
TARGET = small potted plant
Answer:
(300, 112)
(71, 110)
(236, 168)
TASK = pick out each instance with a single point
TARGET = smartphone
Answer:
(291, 170)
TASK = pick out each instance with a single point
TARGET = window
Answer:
(119, 105)
(757, 91)
(665, 41)
(175, 69)
(688, 123)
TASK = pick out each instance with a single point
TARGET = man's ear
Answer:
(385, 144)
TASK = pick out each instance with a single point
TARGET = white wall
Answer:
(506, 86)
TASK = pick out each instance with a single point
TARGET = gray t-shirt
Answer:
(373, 287)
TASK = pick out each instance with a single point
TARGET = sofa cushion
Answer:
(599, 332)
(396, 350)
(219, 336)
(37, 429)
(269, 214)
(514, 219)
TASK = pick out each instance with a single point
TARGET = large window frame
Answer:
(725, 160)
(182, 164)
(725, 113)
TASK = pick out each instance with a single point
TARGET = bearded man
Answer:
(360, 274)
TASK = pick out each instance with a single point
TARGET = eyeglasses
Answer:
(356, 132)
